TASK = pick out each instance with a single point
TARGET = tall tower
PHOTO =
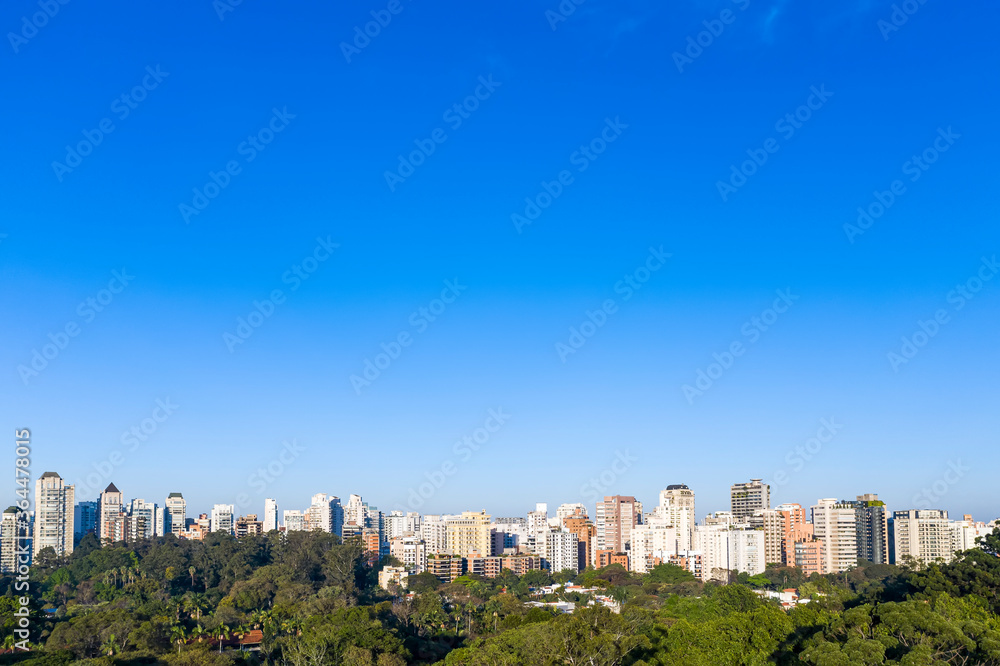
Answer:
(270, 515)
(53, 515)
(615, 517)
(223, 519)
(111, 526)
(872, 529)
(746, 498)
(677, 507)
(175, 519)
(835, 524)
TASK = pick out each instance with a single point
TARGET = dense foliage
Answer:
(308, 599)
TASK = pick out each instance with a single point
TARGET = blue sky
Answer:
(335, 124)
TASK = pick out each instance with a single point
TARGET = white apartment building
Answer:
(656, 540)
(921, 534)
(562, 552)
(724, 549)
(835, 524)
(12, 532)
(294, 520)
(53, 514)
(142, 520)
(270, 515)
(324, 514)
(222, 518)
(175, 519)
(678, 508)
(569, 511)
(398, 524)
(434, 532)
(411, 551)
(965, 532)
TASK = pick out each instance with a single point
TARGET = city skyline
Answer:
(692, 264)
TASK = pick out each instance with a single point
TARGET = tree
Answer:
(178, 635)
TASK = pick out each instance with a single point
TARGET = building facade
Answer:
(920, 535)
(746, 498)
(835, 524)
(54, 501)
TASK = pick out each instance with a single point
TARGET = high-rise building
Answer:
(809, 556)
(248, 526)
(569, 511)
(965, 532)
(222, 518)
(434, 532)
(562, 552)
(725, 549)
(53, 515)
(141, 520)
(85, 519)
(615, 517)
(398, 524)
(746, 498)
(920, 535)
(175, 520)
(411, 551)
(270, 515)
(585, 534)
(469, 533)
(294, 520)
(783, 526)
(835, 524)
(324, 514)
(677, 506)
(13, 533)
(872, 528)
(111, 519)
(653, 542)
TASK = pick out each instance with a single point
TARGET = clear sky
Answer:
(201, 150)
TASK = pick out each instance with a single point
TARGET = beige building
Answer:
(835, 524)
(53, 515)
(397, 575)
(411, 551)
(469, 533)
(923, 535)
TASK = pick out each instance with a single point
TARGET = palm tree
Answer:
(224, 633)
(191, 571)
(110, 646)
(178, 635)
(198, 632)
